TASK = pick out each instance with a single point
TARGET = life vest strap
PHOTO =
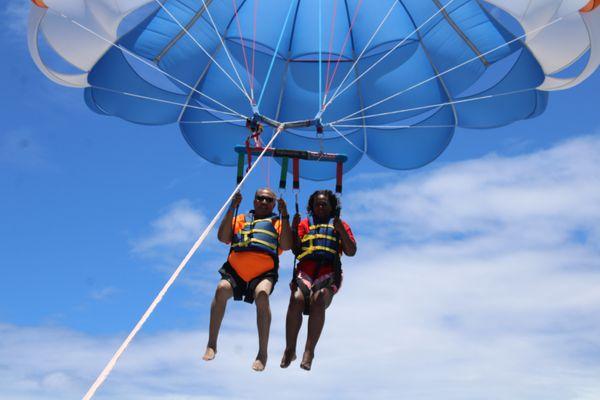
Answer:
(313, 249)
(254, 240)
(309, 237)
(317, 226)
(264, 231)
(255, 221)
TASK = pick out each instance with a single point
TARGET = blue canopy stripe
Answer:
(236, 9)
(187, 33)
(139, 58)
(477, 57)
(340, 91)
(285, 23)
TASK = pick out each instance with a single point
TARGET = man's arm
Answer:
(225, 232)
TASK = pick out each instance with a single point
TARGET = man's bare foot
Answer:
(307, 359)
(209, 354)
(288, 357)
(260, 363)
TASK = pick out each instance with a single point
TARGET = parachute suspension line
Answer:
(330, 50)
(329, 83)
(139, 96)
(237, 19)
(296, 190)
(188, 34)
(346, 139)
(341, 91)
(143, 60)
(215, 121)
(396, 126)
(394, 4)
(426, 107)
(359, 93)
(111, 364)
(320, 33)
(436, 76)
(254, 25)
(287, 19)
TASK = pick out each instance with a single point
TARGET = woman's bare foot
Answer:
(307, 359)
(260, 363)
(209, 354)
(288, 357)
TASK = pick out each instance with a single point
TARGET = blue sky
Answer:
(476, 276)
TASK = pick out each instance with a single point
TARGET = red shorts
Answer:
(311, 275)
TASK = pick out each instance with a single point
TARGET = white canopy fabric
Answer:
(82, 49)
(561, 44)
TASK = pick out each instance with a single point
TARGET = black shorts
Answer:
(243, 290)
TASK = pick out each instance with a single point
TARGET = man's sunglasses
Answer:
(264, 198)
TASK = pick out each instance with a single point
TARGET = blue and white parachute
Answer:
(390, 79)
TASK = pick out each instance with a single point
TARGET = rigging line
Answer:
(331, 36)
(111, 364)
(239, 25)
(217, 121)
(429, 106)
(320, 33)
(457, 66)
(346, 139)
(395, 126)
(187, 32)
(148, 63)
(337, 64)
(386, 55)
(254, 25)
(287, 18)
(139, 96)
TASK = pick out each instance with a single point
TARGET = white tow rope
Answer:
(111, 364)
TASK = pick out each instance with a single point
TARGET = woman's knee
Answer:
(321, 298)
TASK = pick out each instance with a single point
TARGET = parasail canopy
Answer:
(391, 81)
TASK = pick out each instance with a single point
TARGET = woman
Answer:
(318, 243)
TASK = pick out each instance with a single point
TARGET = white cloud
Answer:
(535, 199)
(178, 227)
(103, 293)
(482, 284)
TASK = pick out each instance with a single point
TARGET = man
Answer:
(318, 245)
(251, 270)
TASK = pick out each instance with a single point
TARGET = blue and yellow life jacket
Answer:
(257, 235)
(322, 242)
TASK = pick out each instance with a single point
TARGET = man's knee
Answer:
(261, 298)
(224, 291)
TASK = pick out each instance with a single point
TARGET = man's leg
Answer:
(217, 311)
(319, 303)
(263, 322)
(293, 322)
